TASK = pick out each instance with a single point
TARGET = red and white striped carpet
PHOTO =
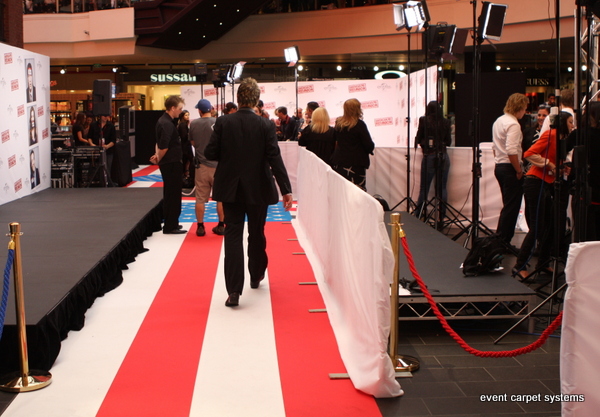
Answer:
(164, 344)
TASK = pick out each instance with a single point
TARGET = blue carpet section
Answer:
(151, 178)
(276, 212)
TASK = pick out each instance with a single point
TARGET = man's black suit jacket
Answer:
(246, 147)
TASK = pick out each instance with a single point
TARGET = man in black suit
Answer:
(246, 147)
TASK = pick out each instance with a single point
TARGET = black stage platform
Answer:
(438, 258)
(74, 246)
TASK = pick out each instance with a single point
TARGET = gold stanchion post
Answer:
(25, 380)
(402, 363)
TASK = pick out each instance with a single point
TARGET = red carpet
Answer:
(158, 374)
(306, 347)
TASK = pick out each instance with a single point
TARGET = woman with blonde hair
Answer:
(354, 145)
(319, 137)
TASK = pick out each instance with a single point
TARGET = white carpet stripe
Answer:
(90, 358)
(238, 373)
(141, 184)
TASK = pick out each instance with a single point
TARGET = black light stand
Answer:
(410, 204)
(443, 214)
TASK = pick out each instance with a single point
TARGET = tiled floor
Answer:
(451, 382)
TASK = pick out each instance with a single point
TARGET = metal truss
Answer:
(468, 307)
(587, 42)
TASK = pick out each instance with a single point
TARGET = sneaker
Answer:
(200, 230)
(219, 230)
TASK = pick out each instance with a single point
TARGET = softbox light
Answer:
(292, 55)
(410, 14)
(491, 20)
(444, 41)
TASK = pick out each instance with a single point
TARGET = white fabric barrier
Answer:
(387, 177)
(353, 267)
(580, 340)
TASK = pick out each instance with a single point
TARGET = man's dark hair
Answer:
(313, 105)
(282, 109)
(248, 93)
(260, 104)
(173, 101)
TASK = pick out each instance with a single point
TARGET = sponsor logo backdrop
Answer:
(24, 123)
(385, 103)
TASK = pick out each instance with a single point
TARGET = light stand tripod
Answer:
(475, 226)
(410, 204)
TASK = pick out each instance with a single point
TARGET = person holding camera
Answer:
(433, 135)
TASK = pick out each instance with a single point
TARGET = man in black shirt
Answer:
(168, 157)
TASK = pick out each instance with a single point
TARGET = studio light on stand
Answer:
(292, 56)
(200, 71)
(440, 42)
(234, 74)
(407, 15)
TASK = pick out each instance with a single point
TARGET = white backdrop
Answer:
(24, 123)
(384, 102)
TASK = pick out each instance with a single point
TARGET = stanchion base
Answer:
(405, 363)
(14, 382)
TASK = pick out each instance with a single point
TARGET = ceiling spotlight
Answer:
(63, 70)
(498, 67)
(339, 67)
(115, 69)
(410, 14)
(570, 69)
(300, 67)
(401, 67)
(375, 68)
(292, 55)
(584, 68)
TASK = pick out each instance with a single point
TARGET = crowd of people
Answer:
(237, 161)
(530, 163)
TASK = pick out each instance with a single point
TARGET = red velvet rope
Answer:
(485, 354)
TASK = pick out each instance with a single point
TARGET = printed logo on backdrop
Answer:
(421, 80)
(280, 89)
(188, 92)
(262, 89)
(40, 111)
(45, 134)
(403, 103)
(6, 188)
(330, 87)
(396, 121)
(21, 110)
(18, 185)
(8, 58)
(384, 121)
(371, 104)
(357, 88)
(210, 92)
(12, 161)
(5, 136)
(306, 89)
(14, 85)
(270, 105)
(383, 87)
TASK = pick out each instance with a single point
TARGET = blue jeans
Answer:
(428, 169)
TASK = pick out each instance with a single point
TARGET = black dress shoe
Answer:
(233, 299)
(255, 284)
(175, 232)
(180, 227)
